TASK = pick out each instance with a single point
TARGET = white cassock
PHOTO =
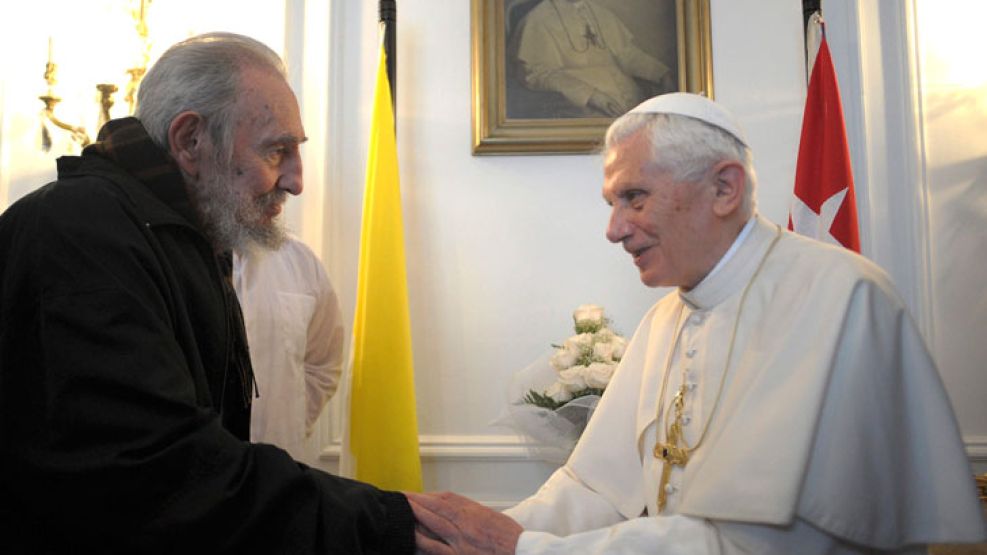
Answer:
(576, 48)
(833, 432)
(295, 335)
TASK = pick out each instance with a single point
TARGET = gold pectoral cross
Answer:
(670, 452)
(590, 36)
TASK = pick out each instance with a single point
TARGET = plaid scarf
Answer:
(126, 143)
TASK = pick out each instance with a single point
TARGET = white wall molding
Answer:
(307, 37)
(334, 205)
(512, 448)
(976, 449)
(495, 470)
(921, 231)
(457, 448)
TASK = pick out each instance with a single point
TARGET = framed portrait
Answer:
(550, 75)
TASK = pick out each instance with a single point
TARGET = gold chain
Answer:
(672, 452)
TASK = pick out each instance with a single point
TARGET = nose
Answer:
(291, 177)
(618, 228)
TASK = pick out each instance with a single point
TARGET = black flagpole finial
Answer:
(389, 18)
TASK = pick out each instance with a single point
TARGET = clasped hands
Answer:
(451, 524)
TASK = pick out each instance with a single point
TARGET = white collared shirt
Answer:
(295, 334)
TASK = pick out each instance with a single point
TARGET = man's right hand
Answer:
(464, 526)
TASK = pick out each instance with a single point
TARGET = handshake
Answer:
(452, 524)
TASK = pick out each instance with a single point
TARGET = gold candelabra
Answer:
(106, 91)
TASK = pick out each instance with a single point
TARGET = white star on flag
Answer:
(807, 222)
(825, 206)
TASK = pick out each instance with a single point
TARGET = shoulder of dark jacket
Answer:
(155, 207)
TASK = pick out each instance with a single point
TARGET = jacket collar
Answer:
(157, 187)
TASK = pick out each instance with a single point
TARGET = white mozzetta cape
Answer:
(832, 414)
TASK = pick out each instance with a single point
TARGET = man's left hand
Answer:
(464, 526)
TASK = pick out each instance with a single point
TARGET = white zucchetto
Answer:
(694, 106)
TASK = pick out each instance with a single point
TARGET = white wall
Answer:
(954, 117)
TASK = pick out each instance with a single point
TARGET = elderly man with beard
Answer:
(125, 382)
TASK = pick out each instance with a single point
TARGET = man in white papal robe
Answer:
(780, 401)
(295, 334)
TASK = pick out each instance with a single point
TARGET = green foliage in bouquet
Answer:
(546, 402)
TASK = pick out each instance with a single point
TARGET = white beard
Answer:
(232, 219)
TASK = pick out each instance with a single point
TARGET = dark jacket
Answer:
(115, 346)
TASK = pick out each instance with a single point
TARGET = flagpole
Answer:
(809, 7)
(389, 21)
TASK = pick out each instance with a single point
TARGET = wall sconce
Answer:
(106, 91)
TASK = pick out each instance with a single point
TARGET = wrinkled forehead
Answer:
(632, 152)
(266, 106)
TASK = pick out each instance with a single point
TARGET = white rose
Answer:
(573, 378)
(619, 346)
(603, 351)
(564, 358)
(577, 343)
(589, 313)
(558, 393)
(598, 374)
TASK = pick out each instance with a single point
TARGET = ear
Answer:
(730, 183)
(185, 141)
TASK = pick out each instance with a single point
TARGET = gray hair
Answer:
(201, 74)
(686, 147)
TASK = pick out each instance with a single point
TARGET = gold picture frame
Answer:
(522, 106)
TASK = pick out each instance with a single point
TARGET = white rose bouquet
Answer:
(584, 362)
(553, 398)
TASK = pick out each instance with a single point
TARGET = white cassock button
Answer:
(690, 353)
(670, 489)
(691, 386)
(686, 419)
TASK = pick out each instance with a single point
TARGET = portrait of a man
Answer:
(587, 58)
